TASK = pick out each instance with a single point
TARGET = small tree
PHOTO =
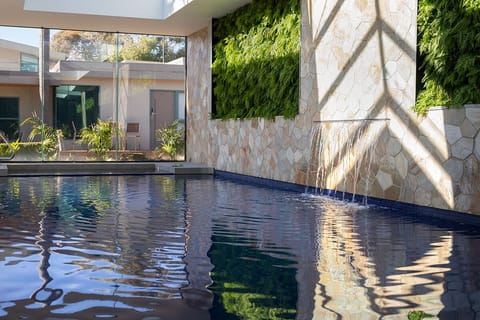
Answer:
(172, 139)
(152, 48)
(83, 45)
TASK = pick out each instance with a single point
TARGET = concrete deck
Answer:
(102, 168)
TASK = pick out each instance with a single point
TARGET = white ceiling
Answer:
(171, 17)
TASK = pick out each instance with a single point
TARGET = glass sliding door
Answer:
(86, 95)
(151, 72)
(167, 114)
(19, 91)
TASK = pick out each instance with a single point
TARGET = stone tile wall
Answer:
(443, 159)
(258, 147)
(358, 68)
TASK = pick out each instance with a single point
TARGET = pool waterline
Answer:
(214, 248)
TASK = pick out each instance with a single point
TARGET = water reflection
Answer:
(134, 247)
(44, 294)
(103, 246)
(379, 268)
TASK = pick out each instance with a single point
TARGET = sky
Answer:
(30, 36)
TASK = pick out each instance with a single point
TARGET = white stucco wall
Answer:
(9, 60)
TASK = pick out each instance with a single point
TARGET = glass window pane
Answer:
(28, 63)
(75, 105)
(9, 117)
(84, 83)
(8, 107)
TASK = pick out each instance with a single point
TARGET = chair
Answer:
(60, 140)
(133, 131)
(76, 134)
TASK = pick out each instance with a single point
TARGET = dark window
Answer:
(9, 117)
(77, 104)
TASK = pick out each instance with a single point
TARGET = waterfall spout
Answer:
(343, 157)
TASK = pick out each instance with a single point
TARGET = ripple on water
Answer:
(137, 247)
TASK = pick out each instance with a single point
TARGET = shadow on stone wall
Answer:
(431, 161)
(417, 160)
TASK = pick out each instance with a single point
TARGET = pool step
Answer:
(3, 170)
(103, 168)
(183, 168)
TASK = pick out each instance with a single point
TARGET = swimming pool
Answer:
(164, 247)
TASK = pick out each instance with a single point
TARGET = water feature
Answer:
(342, 154)
(160, 247)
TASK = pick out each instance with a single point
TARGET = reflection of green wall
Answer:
(249, 284)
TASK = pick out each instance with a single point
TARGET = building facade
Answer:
(78, 92)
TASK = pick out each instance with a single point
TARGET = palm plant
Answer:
(98, 137)
(48, 136)
(172, 139)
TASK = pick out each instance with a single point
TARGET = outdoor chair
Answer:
(133, 131)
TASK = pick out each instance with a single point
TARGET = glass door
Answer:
(88, 96)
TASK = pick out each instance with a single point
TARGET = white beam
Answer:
(142, 9)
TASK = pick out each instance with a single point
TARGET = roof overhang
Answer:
(171, 17)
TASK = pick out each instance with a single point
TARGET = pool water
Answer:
(161, 247)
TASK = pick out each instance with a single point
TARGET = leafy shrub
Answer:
(171, 139)
(256, 54)
(418, 315)
(5, 150)
(32, 149)
(98, 137)
(449, 45)
(47, 136)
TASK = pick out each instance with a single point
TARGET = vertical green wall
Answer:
(449, 45)
(256, 57)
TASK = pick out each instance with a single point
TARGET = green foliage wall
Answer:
(256, 54)
(449, 44)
